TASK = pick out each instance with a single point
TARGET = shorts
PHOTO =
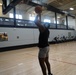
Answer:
(43, 52)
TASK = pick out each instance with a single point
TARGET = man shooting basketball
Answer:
(43, 44)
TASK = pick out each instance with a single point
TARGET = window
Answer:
(17, 16)
(32, 18)
(11, 15)
(47, 20)
(61, 21)
(71, 22)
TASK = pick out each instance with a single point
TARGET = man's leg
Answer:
(48, 65)
(42, 65)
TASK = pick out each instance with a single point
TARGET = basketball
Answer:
(38, 9)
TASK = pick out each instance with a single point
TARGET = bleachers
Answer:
(58, 39)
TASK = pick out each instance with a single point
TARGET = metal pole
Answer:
(66, 22)
(56, 19)
(14, 13)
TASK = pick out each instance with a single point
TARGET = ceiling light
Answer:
(71, 8)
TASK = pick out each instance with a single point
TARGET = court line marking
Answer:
(63, 61)
(57, 60)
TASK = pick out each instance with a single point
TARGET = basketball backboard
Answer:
(7, 5)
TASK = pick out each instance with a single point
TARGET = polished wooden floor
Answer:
(25, 62)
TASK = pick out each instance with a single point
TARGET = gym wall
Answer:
(26, 36)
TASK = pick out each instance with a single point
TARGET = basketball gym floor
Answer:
(25, 61)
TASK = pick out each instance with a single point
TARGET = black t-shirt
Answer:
(43, 39)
